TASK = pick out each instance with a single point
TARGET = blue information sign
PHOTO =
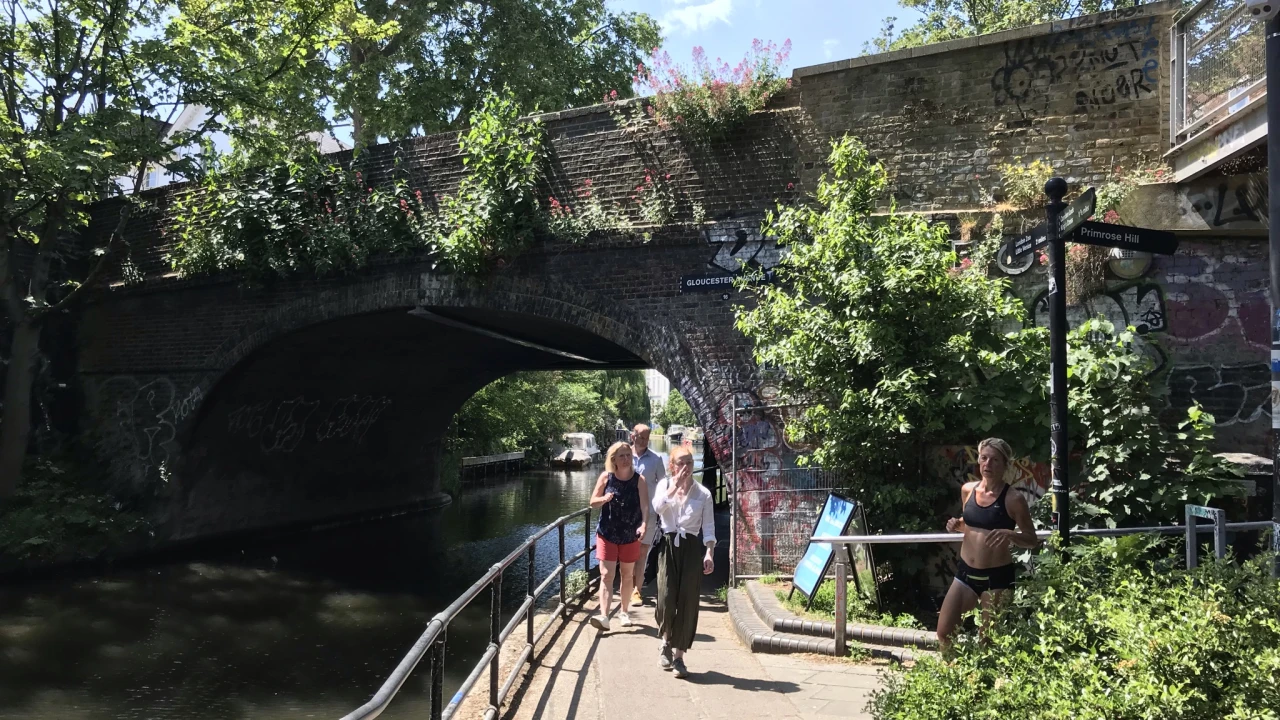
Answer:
(836, 515)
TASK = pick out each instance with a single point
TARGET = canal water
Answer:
(302, 627)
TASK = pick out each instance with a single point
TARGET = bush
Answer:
(53, 516)
(1106, 632)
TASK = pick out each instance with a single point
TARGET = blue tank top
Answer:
(620, 518)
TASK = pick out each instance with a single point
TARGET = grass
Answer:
(856, 608)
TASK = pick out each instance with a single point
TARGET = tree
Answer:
(405, 68)
(87, 90)
(951, 19)
(676, 411)
(873, 323)
(525, 411)
(898, 346)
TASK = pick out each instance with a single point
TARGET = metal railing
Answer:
(1218, 64)
(840, 543)
(432, 641)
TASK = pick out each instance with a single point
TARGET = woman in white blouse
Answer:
(684, 509)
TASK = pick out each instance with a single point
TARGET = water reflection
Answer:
(306, 627)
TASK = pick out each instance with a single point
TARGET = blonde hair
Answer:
(678, 451)
(613, 451)
(999, 446)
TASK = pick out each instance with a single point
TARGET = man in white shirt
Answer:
(652, 467)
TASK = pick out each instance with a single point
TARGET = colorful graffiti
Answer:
(959, 464)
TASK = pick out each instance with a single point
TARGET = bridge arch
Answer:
(360, 380)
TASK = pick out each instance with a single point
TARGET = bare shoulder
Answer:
(603, 477)
(967, 489)
(1017, 500)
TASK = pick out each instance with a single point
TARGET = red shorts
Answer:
(609, 552)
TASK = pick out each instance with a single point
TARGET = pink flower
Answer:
(587, 182)
(613, 94)
(791, 186)
(359, 176)
(966, 263)
(418, 194)
(668, 176)
(1111, 216)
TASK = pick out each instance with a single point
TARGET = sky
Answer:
(820, 30)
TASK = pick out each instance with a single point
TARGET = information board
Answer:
(837, 513)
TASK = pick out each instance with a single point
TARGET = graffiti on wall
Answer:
(1231, 203)
(280, 426)
(740, 247)
(1231, 393)
(1110, 64)
(144, 421)
(1140, 306)
(959, 463)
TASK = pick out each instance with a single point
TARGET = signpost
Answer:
(1074, 214)
(1065, 222)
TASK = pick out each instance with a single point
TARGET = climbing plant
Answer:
(312, 213)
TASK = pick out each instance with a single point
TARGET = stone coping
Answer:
(1164, 7)
(761, 639)
(767, 606)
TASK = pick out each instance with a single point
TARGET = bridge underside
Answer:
(347, 416)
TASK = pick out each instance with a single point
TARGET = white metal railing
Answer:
(1218, 66)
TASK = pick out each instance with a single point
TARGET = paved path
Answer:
(615, 676)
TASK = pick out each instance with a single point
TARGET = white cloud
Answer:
(697, 17)
(828, 46)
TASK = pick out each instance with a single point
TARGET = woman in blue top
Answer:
(993, 520)
(623, 499)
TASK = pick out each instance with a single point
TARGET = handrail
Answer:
(902, 538)
(432, 639)
(840, 542)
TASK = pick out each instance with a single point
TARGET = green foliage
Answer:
(55, 516)
(722, 593)
(675, 411)
(1105, 632)
(526, 411)
(892, 345)
(769, 579)
(1132, 470)
(576, 582)
(573, 220)
(412, 68)
(943, 20)
(312, 214)
(857, 608)
(530, 410)
(896, 347)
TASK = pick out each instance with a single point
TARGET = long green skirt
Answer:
(679, 589)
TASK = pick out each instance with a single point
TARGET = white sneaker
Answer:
(600, 622)
(626, 619)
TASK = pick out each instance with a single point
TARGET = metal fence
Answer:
(432, 641)
(1219, 65)
(1190, 531)
(772, 503)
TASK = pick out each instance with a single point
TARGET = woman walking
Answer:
(688, 525)
(623, 500)
(992, 520)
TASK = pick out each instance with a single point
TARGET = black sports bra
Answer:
(989, 517)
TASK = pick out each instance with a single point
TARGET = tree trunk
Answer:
(15, 424)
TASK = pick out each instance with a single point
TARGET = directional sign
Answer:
(1030, 242)
(1127, 238)
(1078, 211)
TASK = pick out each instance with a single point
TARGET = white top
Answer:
(695, 514)
(650, 467)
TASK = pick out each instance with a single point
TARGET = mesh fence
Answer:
(1225, 56)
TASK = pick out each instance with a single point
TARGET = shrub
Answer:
(1105, 632)
(55, 516)
(712, 100)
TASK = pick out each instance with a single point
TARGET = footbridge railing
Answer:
(431, 643)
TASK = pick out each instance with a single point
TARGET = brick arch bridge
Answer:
(252, 403)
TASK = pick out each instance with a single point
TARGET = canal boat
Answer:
(582, 451)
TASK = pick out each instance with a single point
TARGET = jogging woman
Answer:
(623, 499)
(688, 552)
(992, 521)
